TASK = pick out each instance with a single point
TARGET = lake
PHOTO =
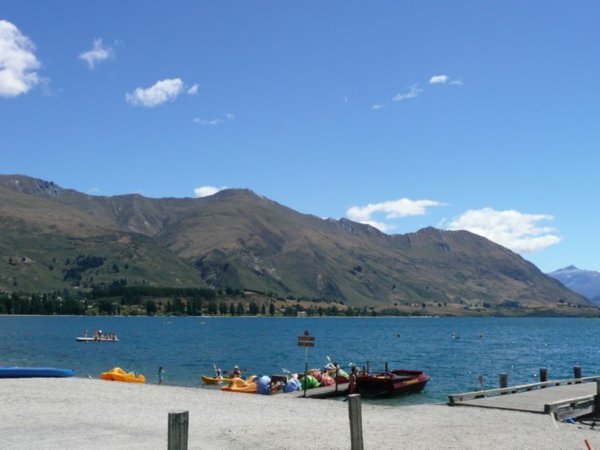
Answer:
(189, 346)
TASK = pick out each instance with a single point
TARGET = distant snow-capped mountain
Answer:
(584, 282)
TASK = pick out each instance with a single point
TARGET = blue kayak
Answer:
(31, 372)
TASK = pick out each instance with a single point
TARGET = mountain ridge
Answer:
(584, 282)
(240, 239)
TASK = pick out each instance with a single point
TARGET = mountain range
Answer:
(584, 282)
(54, 238)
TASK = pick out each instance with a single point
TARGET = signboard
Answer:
(306, 340)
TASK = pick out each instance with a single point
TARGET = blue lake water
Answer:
(189, 346)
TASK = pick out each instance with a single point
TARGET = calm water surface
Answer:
(189, 346)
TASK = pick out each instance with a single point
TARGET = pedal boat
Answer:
(118, 374)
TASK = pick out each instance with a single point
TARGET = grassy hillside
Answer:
(53, 237)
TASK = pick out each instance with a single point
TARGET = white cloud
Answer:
(193, 90)
(161, 92)
(412, 92)
(377, 106)
(205, 191)
(17, 61)
(456, 82)
(213, 122)
(393, 209)
(439, 79)
(511, 229)
(207, 122)
(97, 54)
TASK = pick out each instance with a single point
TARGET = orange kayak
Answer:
(118, 374)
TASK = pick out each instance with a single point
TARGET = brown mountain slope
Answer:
(241, 240)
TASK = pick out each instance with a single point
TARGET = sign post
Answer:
(306, 341)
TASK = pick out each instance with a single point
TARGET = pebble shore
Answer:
(80, 413)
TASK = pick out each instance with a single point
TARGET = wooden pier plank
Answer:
(533, 400)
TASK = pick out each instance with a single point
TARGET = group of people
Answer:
(99, 335)
(236, 372)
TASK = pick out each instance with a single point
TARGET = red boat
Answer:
(390, 383)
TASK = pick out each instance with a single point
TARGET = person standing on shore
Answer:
(352, 389)
(161, 371)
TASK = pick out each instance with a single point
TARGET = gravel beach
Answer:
(79, 413)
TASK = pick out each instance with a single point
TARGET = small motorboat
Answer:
(97, 339)
(118, 374)
(238, 384)
(390, 383)
(35, 372)
(214, 380)
(98, 336)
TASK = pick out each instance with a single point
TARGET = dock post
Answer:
(305, 377)
(597, 398)
(355, 413)
(386, 367)
(178, 430)
(503, 381)
(543, 375)
(577, 372)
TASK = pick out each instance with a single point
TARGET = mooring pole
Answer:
(503, 381)
(597, 397)
(543, 375)
(355, 413)
(178, 430)
(305, 370)
(577, 372)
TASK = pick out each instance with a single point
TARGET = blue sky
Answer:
(459, 115)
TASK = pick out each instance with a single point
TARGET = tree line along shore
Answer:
(122, 300)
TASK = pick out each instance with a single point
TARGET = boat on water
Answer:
(118, 374)
(35, 372)
(214, 380)
(99, 336)
(97, 339)
(391, 383)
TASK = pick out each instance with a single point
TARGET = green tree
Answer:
(253, 309)
(240, 311)
(151, 308)
(105, 307)
(223, 308)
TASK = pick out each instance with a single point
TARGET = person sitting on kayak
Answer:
(218, 373)
(236, 372)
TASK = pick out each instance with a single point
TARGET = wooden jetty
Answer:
(573, 397)
(322, 392)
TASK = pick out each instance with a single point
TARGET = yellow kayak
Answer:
(118, 374)
(214, 380)
(240, 385)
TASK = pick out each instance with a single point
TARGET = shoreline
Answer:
(74, 413)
